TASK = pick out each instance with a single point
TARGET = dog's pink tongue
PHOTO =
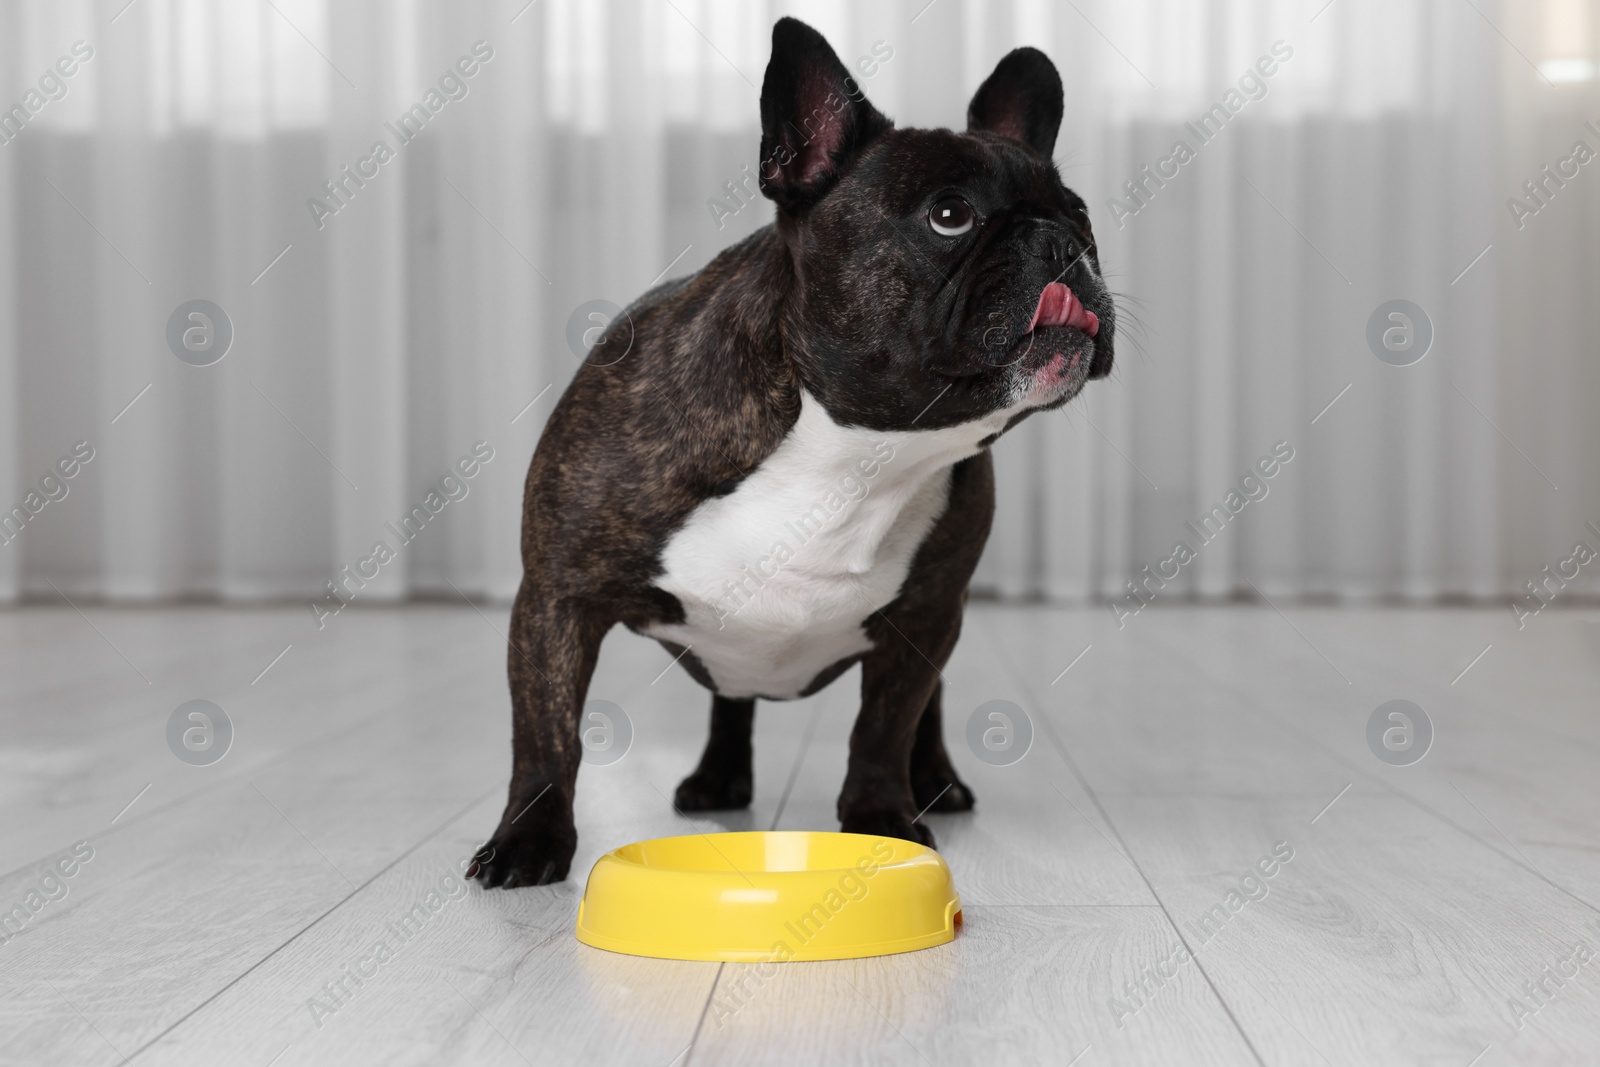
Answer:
(1059, 306)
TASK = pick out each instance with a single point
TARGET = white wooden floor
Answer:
(371, 759)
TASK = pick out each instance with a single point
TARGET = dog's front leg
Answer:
(898, 678)
(554, 644)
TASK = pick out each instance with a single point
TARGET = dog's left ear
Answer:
(814, 117)
(1021, 100)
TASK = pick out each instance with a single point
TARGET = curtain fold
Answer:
(391, 316)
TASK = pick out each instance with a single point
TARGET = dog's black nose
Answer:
(1046, 243)
(1051, 241)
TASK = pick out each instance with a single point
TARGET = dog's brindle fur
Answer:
(849, 299)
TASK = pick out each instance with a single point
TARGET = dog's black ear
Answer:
(1021, 100)
(814, 117)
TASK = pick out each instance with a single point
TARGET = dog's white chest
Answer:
(777, 578)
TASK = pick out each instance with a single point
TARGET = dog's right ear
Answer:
(814, 118)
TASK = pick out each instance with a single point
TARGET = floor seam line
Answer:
(243, 777)
(794, 775)
(1294, 730)
(1072, 765)
(479, 799)
(705, 1009)
(1165, 911)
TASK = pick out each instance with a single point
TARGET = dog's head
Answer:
(941, 277)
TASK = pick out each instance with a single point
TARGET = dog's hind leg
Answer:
(722, 781)
(934, 783)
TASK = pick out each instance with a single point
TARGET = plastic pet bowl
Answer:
(757, 897)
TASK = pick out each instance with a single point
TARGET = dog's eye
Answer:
(951, 217)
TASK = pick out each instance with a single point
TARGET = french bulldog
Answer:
(788, 472)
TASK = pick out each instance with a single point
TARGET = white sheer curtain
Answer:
(376, 345)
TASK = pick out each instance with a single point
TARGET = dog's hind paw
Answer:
(711, 791)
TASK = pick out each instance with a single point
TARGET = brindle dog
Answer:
(788, 473)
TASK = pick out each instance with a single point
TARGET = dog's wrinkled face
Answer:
(955, 264)
(942, 277)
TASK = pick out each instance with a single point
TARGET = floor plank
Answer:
(1020, 985)
(1386, 939)
(1167, 759)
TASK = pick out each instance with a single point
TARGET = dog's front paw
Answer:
(941, 791)
(887, 824)
(709, 790)
(535, 854)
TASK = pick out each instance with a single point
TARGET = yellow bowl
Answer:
(758, 897)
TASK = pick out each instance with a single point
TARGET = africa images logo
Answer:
(344, 186)
(49, 887)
